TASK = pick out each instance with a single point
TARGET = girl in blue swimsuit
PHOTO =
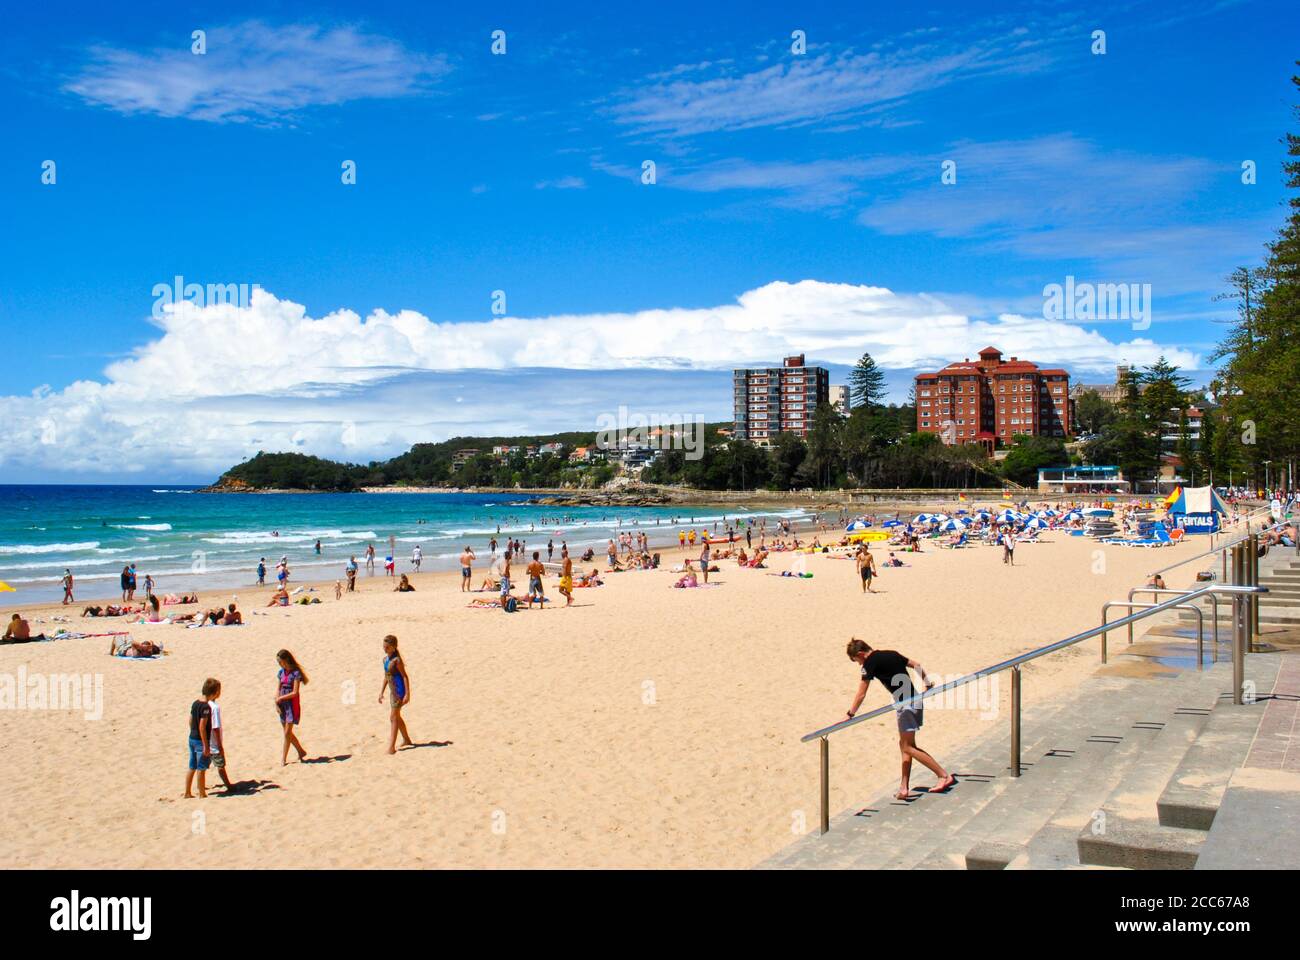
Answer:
(395, 676)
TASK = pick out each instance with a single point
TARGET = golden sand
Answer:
(645, 726)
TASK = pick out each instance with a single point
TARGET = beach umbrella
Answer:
(857, 525)
(1036, 523)
(921, 518)
(892, 523)
(950, 525)
(939, 516)
(1074, 515)
(960, 512)
(1098, 512)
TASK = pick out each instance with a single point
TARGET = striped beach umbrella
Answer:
(1036, 523)
(857, 526)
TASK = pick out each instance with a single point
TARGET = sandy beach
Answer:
(644, 727)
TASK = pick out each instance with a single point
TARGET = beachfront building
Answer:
(1110, 392)
(554, 449)
(585, 454)
(772, 400)
(633, 456)
(462, 457)
(840, 399)
(1081, 480)
(992, 400)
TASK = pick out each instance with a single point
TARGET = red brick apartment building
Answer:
(770, 400)
(992, 400)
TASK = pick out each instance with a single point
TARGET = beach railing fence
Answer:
(1240, 592)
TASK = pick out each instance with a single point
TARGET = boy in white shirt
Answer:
(217, 738)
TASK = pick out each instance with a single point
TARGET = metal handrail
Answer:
(1237, 592)
(1214, 602)
(1200, 625)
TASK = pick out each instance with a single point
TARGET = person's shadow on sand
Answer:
(430, 743)
(335, 759)
(246, 788)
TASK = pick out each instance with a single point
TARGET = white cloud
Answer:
(816, 87)
(562, 183)
(221, 382)
(255, 72)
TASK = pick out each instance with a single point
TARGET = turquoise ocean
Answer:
(205, 541)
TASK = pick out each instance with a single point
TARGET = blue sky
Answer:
(798, 207)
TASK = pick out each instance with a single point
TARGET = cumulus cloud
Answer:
(253, 71)
(222, 381)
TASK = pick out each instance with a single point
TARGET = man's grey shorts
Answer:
(910, 719)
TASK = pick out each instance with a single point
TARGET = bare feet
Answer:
(945, 784)
(906, 795)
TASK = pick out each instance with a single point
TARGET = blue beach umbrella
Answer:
(892, 523)
(857, 526)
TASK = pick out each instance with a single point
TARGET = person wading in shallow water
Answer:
(891, 668)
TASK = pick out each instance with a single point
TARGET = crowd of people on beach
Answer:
(746, 542)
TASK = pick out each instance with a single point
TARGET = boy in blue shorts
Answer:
(200, 739)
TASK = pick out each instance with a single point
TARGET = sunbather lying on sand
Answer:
(111, 610)
(125, 646)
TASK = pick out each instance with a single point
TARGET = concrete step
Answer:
(1286, 615)
(1125, 831)
(1101, 733)
(886, 830)
(892, 834)
(1136, 845)
(1116, 754)
(1192, 797)
(1258, 823)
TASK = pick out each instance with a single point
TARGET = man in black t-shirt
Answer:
(891, 669)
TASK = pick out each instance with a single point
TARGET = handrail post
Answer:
(1238, 625)
(1105, 633)
(1254, 598)
(1015, 719)
(826, 787)
(1214, 605)
(1200, 637)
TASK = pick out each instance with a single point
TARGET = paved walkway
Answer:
(1277, 744)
